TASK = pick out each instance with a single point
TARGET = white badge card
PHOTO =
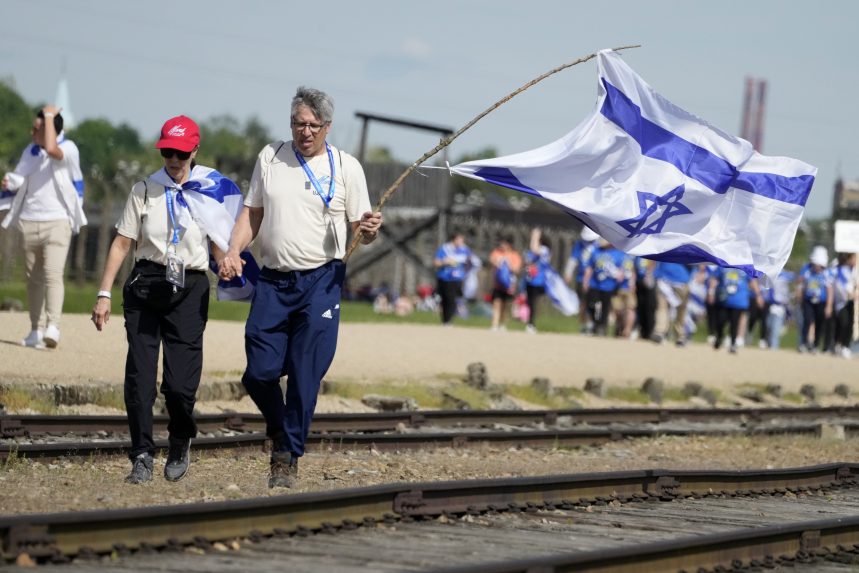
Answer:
(175, 270)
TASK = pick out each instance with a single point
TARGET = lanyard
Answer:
(168, 193)
(313, 180)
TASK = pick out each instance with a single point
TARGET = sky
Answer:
(442, 63)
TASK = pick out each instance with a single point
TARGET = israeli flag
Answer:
(661, 183)
(563, 298)
(214, 202)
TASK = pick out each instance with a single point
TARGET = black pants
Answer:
(599, 305)
(813, 313)
(727, 316)
(154, 315)
(844, 325)
(533, 293)
(758, 314)
(449, 291)
(645, 309)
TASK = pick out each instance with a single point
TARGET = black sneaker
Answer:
(284, 470)
(178, 459)
(141, 469)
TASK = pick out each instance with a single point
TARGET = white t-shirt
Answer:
(42, 202)
(154, 232)
(298, 232)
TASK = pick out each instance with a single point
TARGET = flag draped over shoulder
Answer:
(661, 183)
(214, 202)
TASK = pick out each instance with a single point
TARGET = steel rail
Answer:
(743, 549)
(70, 534)
(395, 442)
(16, 425)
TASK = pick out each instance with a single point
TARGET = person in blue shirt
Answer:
(672, 291)
(574, 273)
(844, 290)
(814, 290)
(778, 302)
(730, 290)
(538, 260)
(451, 264)
(603, 276)
(625, 301)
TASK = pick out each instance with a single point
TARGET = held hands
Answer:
(230, 266)
(101, 312)
(369, 226)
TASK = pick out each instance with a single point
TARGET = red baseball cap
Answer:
(180, 132)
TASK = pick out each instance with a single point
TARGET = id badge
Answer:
(175, 270)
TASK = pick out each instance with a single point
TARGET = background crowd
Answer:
(635, 298)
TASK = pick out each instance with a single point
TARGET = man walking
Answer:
(47, 209)
(302, 194)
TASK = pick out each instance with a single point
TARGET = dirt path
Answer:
(384, 352)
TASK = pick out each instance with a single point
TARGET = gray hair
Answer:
(319, 102)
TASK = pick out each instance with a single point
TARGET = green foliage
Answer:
(379, 154)
(17, 118)
(230, 147)
(634, 395)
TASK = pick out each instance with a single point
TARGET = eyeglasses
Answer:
(167, 153)
(313, 127)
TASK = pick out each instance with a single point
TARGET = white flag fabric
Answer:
(214, 202)
(661, 183)
(563, 298)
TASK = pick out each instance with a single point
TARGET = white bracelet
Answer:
(103, 294)
(47, 114)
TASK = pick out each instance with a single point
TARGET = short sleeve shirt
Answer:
(145, 219)
(298, 231)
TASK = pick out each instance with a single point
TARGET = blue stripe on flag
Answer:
(221, 187)
(504, 177)
(689, 254)
(694, 161)
(79, 187)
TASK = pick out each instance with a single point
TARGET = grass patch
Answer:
(674, 394)
(18, 399)
(425, 397)
(475, 399)
(110, 397)
(794, 397)
(532, 395)
(634, 395)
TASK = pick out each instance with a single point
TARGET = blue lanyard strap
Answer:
(313, 180)
(169, 195)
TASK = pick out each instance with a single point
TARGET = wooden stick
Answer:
(447, 141)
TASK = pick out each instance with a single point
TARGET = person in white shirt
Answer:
(304, 196)
(47, 209)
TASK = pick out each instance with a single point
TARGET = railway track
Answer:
(17, 425)
(50, 437)
(642, 521)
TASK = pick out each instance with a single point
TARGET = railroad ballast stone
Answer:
(842, 390)
(390, 403)
(543, 386)
(595, 386)
(477, 377)
(654, 388)
(809, 391)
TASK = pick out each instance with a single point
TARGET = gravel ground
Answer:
(32, 487)
(412, 354)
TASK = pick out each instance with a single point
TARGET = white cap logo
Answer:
(176, 131)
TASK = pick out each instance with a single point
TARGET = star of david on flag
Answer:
(661, 183)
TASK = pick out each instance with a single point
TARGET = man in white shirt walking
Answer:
(47, 209)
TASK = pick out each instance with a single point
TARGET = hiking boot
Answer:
(178, 458)
(141, 469)
(284, 470)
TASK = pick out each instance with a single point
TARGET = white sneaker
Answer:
(33, 340)
(846, 353)
(52, 336)
(530, 329)
(762, 344)
(711, 340)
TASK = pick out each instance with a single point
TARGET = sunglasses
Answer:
(167, 153)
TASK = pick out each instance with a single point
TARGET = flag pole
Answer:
(448, 140)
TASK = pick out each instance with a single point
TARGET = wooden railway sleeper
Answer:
(408, 503)
(12, 428)
(32, 540)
